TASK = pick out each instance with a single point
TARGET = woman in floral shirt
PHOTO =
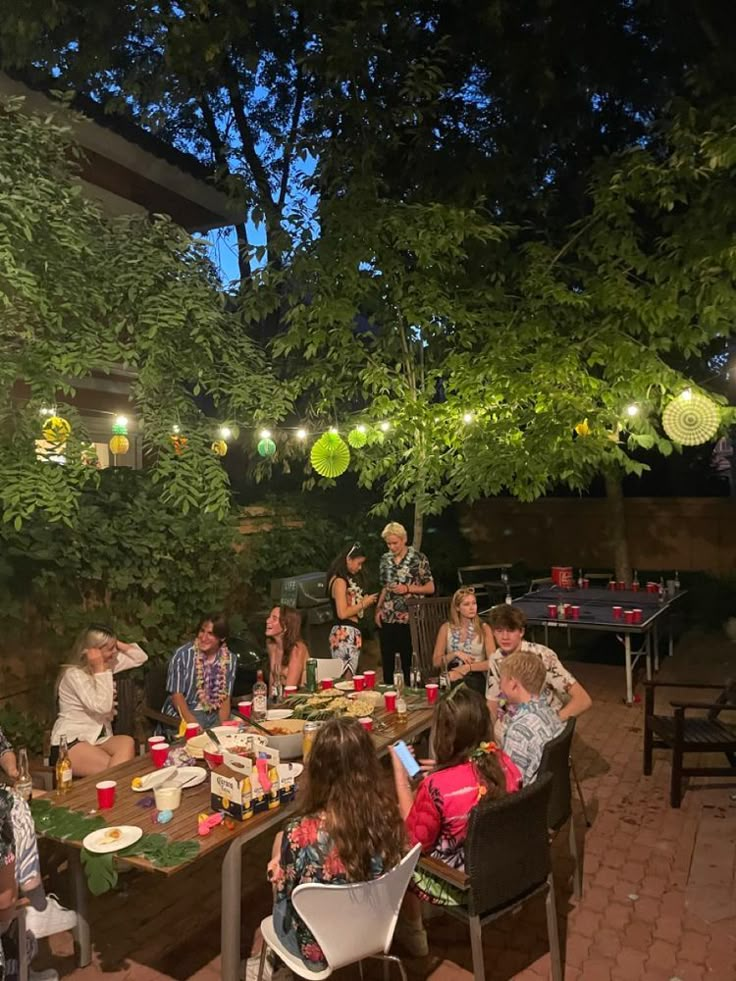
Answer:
(350, 830)
(346, 590)
(403, 572)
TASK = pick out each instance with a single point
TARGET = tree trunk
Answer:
(617, 521)
(416, 538)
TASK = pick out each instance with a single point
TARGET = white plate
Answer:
(101, 843)
(185, 777)
(289, 770)
(273, 715)
(345, 685)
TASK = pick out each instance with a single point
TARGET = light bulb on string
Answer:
(632, 410)
(225, 433)
(384, 427)
(334, 430)
(687, 394)
(467, 417)
(361, 428)
(265, 434)
(301, 434)
(175, 429)
(121, 421)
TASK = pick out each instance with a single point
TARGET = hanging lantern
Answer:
(219, 447)
(582, 428)
(56, 430)
(179, 443)
(266, 446)
(691, 419)
(358, 437)
(330, 455)
(119, 445)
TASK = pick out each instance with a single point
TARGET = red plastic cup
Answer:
(290, 690)
(159, 753)
(652, 587)
(433, 692)
(213, 759)
(327, 683)
(245, 709)
(152, 740)
(617, 611)
(620, 585)
(552, 611)
(612, 584)
(635, 586)
(637, 615)
(566, 611)
(367, 723)
(105, 794)
(389, 700)
(586, 583)
(628, 616)
(370, 679)
(359, 682)
(191, 730)
(575, 611)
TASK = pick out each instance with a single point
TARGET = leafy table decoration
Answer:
(63, 823)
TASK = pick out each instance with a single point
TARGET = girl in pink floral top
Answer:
(468, 767)
(350, 831)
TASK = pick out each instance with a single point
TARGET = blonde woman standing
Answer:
(464, 644)
(86, 696)
(403, 572)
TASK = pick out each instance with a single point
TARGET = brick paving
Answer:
(659, 902)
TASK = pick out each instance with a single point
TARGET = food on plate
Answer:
(136, 783)
(112, 834)
(330, 703)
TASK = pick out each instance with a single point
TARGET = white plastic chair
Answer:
(349, 922)
(329, 667)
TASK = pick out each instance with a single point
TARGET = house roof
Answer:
(130, 169)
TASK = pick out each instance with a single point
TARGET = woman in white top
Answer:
(86, 695)
(464, 643)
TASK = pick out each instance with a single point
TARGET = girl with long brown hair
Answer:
(467, 767)
(349, 830)
(287, 651)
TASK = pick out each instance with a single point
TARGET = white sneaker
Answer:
(251, 968)
(54, 919)
(48, 975)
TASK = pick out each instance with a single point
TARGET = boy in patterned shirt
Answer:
(533, 723)
(561, 690)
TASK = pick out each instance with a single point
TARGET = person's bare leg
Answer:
(88, 760)
(120, 749)
(257, 944)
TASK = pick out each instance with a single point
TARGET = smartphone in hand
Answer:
(406, 758)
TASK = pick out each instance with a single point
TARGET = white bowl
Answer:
(289, 742)
(274, 715)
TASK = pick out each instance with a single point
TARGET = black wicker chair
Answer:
(507, 861)
(556, 761)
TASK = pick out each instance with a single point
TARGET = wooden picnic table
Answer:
(83, 798)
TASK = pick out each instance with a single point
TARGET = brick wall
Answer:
(685, 533)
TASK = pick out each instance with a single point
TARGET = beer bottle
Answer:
(23, 785)
(63, 768)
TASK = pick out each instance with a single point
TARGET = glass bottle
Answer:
(260, 698)
(415, 674)
(401, 708)
(581, 581)
(63, 768)
(398, 674)
(444, 675)
(677, 581)
(23, 785)
(312, 674)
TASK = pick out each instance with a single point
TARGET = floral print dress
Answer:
(308, 854)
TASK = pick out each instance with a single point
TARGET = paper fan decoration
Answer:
(266, 446)
(357, 438)
(691, 421)
(330, 455)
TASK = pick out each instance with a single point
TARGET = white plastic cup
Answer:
(167, 798)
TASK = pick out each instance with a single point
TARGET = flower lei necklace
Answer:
(212, 682)
(356, 594)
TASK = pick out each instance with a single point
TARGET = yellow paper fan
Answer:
(691, 421)
(330, 455)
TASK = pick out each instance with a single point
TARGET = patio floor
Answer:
(659, 898)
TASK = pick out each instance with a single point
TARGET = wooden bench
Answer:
(705, 733)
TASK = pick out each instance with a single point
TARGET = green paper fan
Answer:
(357, 438)
(691, 421)
(330, 455)
(266, 447)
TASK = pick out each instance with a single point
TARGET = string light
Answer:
(334, 430)
(121, 421)
(265, 434)
(361, 428)
(225, 432)
(301, 434)
(384, 427)
(467, 417)
(632, 410)
(175, 429)
(687, 394)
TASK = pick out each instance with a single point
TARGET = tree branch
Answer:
(291, 140)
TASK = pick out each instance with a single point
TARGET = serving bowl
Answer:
(286, 737)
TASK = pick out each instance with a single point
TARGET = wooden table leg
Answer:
(232, 875)
(81, 907)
